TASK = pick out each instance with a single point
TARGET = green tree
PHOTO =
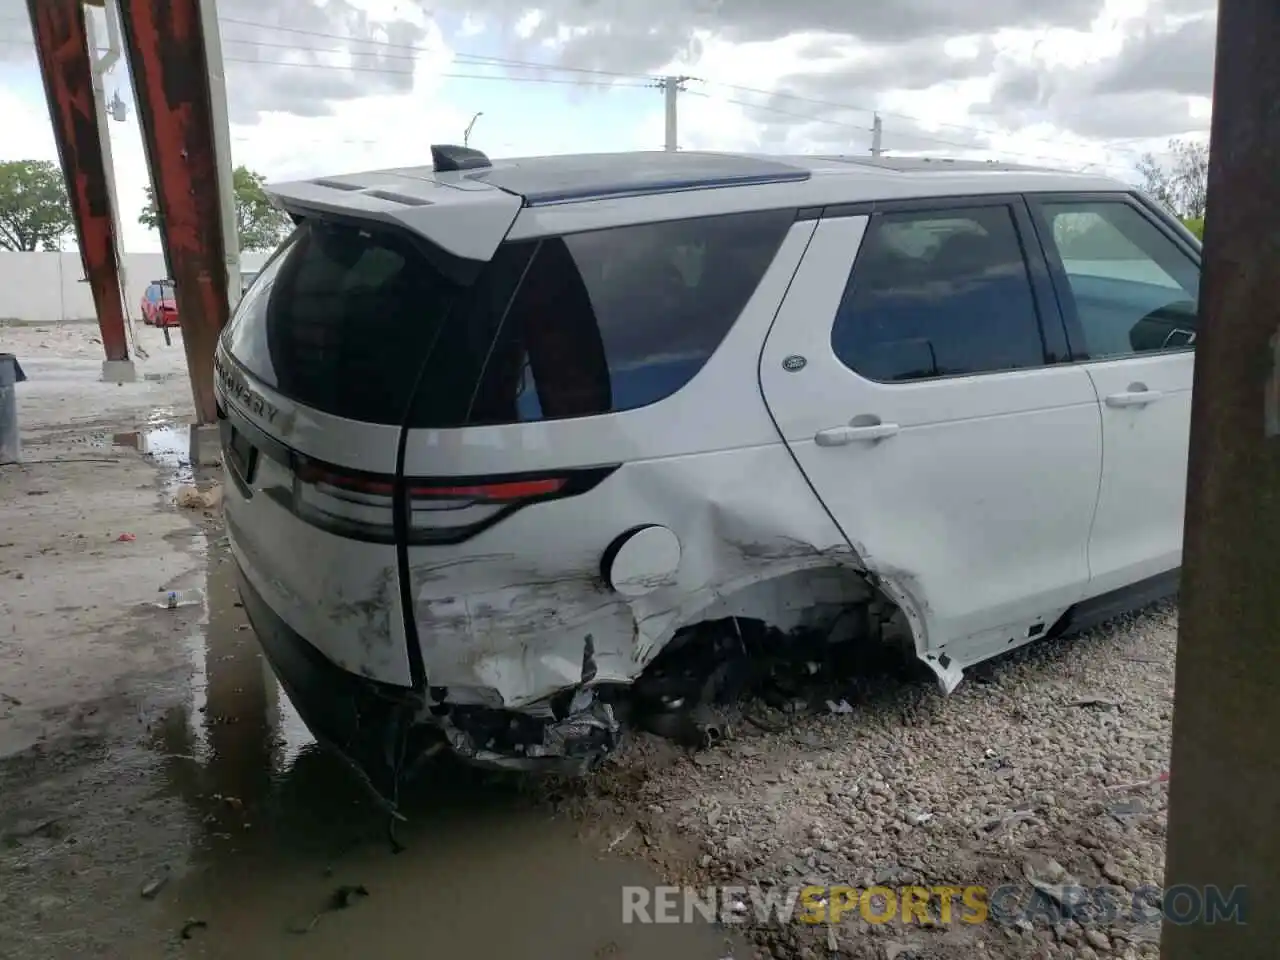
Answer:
(259, 225)
(1180, 183)
(35, 213)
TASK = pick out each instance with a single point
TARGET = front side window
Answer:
(939, 294)
(1132, 289)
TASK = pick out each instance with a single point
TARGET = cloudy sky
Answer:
(326, 86)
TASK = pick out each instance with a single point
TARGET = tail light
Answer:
(438, 511)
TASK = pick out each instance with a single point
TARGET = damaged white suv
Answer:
(496, 433)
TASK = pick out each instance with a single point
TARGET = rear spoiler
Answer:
(448, 204)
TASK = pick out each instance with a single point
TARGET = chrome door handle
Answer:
(839, 436)
(1133, 398)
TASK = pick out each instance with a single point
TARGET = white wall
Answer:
(50, 287)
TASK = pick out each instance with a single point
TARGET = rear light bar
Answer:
(438, 511)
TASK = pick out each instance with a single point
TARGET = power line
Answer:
(447, 76)
(786, 113)
(404, 73)
(528, 64)
(811, 118)
(649, 81)
(967, 128)
(467, 57)
(464, 59)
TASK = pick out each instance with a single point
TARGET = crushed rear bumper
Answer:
(384, 731)
(368, 724)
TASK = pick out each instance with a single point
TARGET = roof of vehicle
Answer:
(560, 179)
(547, 180)
(468, 211)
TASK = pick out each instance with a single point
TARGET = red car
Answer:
(160, 305)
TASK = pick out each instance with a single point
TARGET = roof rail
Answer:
(446, 157)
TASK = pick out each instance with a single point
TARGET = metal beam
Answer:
(167, 59)
(63, 50)
(1225, 771)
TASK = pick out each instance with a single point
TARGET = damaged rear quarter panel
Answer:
(341, 595)
(517, 622)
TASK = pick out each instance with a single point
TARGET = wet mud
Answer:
(178, 806)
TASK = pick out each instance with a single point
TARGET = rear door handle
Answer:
(839, 436)
(1135, 396)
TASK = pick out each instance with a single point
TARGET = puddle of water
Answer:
(230, 679)
(280, 824)
(169, 446)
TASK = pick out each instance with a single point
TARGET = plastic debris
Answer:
(153, 886)
(193, 498)
(621, 837)
(1136, 784)
(126, 538)
(180, 598)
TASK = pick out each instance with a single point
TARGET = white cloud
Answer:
(1006, 92)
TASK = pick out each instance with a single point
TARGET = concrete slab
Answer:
(119, 371)
(206, 445)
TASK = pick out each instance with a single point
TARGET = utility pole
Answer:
(1224, 779)
(671, 87)
(877, 136)
(466, 134)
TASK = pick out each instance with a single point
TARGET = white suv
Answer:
(495, 433)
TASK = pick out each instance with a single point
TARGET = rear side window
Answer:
(939, 294)
(341, 319)
(597, 322)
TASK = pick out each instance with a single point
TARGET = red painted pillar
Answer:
(63, 49)
(165, 44)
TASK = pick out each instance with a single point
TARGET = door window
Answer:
(1132, 289)
(151, 294)
(939, 294)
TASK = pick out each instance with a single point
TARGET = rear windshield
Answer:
(348, 321)
(341, 319)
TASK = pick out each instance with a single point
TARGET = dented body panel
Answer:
(973, 511)
(504, 619)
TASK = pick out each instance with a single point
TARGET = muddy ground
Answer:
(158, 796)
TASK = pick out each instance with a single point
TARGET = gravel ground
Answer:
(1044, 768)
